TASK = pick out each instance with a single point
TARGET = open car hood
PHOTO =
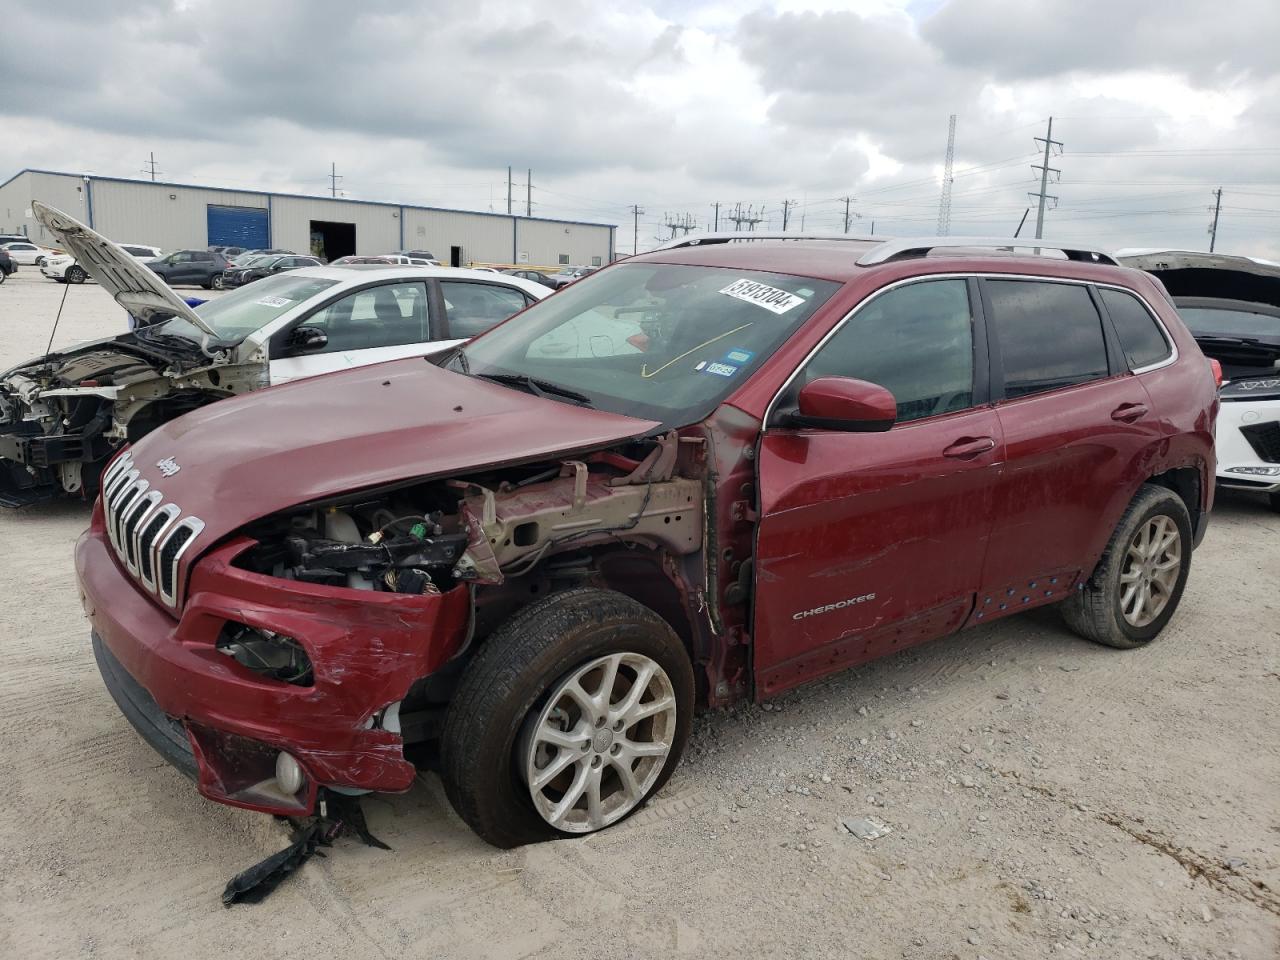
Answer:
(1190, 273)
(248, 457)
(136, 287)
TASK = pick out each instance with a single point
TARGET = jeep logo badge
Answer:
(168, 466)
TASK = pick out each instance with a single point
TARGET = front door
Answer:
(371, 325)
(870, 542)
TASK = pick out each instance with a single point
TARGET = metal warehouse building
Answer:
(175, 216)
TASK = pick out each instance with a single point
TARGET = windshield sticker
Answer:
(274, 302)
(738, 355)
(721, 369)
(763, 295)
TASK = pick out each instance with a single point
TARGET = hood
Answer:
(245, 458)
(1188, 273)
(135, 286)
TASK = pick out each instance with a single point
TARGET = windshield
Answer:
(661, 341)
(1230, 323)
(233, 316)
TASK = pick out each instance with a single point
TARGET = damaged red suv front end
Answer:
(330, 715)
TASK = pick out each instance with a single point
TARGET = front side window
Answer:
(662, 341)
(383, 316)
(472, 308)
(916, 341)
(1050, 335)
(1140, 337)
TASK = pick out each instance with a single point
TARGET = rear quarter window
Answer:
(1140, 336)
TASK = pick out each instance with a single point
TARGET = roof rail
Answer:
(707, 238)
(908, 247)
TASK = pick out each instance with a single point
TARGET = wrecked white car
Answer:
(62, 415)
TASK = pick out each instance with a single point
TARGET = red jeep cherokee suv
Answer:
(709, 473)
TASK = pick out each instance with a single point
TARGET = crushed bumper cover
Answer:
(366, 650)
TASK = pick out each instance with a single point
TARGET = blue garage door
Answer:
(238, 227)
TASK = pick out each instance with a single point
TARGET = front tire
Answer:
(1136, 586)
(39, 261)
(75, 274)
(568, 719)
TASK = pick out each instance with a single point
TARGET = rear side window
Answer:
(916, 341)
(1050, 335)
(1139, 334)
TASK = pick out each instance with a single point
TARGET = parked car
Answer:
(346, 261)
(537, 276)
(265, 266)
(567, 275)
(229, 252)
(418, 254)
(27, 253)
(7, 266)
(200, 268)
(6, 238)
(1232, 305)
(809, 454)
(64, 269)
(410, 259)
(63, 414)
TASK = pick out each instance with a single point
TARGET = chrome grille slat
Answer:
(149, 537)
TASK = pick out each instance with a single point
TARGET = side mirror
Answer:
(307, 340)
(842, 403)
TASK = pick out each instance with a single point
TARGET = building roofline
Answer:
(301, 196)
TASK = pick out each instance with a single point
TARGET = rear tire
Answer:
(214, 284)
(75, 274)
(1275, 502)
(1136, 586)
(513, 709)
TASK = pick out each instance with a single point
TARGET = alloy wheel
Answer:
(600, 742)
(1152, 563)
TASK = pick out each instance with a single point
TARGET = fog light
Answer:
(288, 773)
(1256, 471)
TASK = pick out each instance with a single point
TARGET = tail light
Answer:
(1216, 368)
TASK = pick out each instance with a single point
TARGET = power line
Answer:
(1044, 169)
(944, 204)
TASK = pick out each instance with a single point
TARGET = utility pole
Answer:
(847, 201)
(716, 228)
(786, 213)
(152, 164)
(1045, 169)
(333, 179)
(944, 204)
(1213, 228)
(508, 191)
(636, 210)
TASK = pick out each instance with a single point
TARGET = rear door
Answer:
(1076, 424)
(470, 307)
(870, 542)
(376, 323)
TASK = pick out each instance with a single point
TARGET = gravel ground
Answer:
(1046, 797)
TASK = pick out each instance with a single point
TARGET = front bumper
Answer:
(366, 650)
(1248, 437)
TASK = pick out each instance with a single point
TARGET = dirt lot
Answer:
(1047, 797)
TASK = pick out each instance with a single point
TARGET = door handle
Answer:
(966, 448)
(1129, 412)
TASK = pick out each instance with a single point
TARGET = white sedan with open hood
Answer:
(63, 414)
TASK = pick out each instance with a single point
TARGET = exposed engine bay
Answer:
(61, 416)
(484, 530)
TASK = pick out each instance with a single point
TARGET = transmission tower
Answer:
(944, 204)
(1045, 170)
(684, 224)
(750, 218)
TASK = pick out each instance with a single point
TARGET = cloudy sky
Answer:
(674, 105)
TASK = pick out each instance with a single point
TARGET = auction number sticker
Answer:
(762, 295)
(274, 302)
